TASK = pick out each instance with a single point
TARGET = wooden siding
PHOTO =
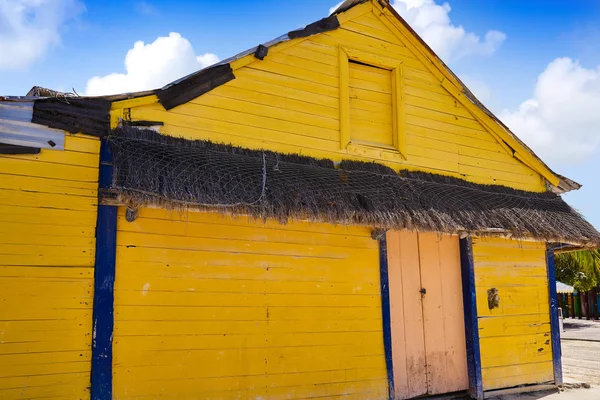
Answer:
(230, 308)
(428, 334)
(47, 229)
(371, 105)
(515, 338)
(289, 102)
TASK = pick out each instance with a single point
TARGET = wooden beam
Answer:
(386, 313)
(471, 320)
(554, 325)
(104, 279)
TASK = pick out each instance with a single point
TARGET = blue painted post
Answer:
(104, 278)
(471, 322)
(554, 325)
(385, 310)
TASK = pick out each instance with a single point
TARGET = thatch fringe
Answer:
(156, 170)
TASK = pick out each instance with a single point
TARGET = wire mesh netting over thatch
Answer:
(152, 169)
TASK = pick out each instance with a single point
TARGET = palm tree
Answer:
(580, 269)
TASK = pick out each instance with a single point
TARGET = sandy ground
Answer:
(569, 394)
(581, 361)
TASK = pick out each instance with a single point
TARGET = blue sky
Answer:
(540, 73)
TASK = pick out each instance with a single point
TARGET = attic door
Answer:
(427, 318)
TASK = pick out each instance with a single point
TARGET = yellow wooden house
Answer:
(332, 214)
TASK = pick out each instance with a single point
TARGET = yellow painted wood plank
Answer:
(277, 85)
(157, 313)
(514, 277)
(516, 350)
(48, 170)
(352, 39)
(53, 368)
(290, 68)
(193, 116)
(82, 143)
(46, 239)
(295, 357)
(45, 185)
(39, 289)
(45, 250)
(242, 135)
(313, 52)
(225, 247)
(510, 165)
(59, 157)
(514, 252)
(513, 245)
(288, 79)
(512, 325)
(34, 215)
(421, 142)
(245, 221)
(46, 200)
(369, 20)
(514, 300)
(232, 94)
(14, 231)
(8, 360)
(424, 85)
(533, 180)
(443, 107)
(46, 273)
(317, 362)
(510, 376)
(74, 388)
(246, 286)
(368, 31)
(238, 341)
(261, 269)
(281, 113)
(210, 228)
(43, 259)
(151, 298)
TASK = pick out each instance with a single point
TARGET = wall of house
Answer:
(515, 337)
(47, 229)
(218, 307)
(289, 102)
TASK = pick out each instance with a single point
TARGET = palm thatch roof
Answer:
(155, 170)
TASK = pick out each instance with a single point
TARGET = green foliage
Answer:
(580, 269)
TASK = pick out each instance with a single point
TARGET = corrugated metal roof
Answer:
(17, 129)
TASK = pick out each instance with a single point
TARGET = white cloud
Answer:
(332, 9)
(151, 66)
(28, 28)
(451, 42)
(561, 122)
(479, 88)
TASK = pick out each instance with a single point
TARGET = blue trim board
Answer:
(104, 278)
(385, 310)
(471, 323)
(554, 323)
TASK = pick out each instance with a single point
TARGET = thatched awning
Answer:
(156, 170)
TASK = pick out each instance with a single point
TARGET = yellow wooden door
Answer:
(515, 334)
(212, 307)
(428, 338)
